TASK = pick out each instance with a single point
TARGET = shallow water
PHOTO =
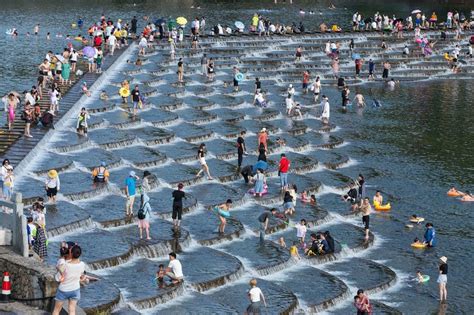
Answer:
(412, 149)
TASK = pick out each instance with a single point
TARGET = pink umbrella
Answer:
(88, 51)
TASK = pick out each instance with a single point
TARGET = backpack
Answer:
(141, 212)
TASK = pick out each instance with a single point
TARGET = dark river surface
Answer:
(413, 148)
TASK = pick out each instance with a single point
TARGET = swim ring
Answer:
(124, 92)
(222, 213)
(265, 190)
(453, 194)
(73, 25)
(417, 220)
(426, 278)
(239, 76)
(380, 207)
(418, 245)
(78, 38)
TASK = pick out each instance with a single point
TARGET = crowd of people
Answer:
(106, 36)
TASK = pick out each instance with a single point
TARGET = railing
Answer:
(13, 219)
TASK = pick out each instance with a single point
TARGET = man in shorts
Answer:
(130, 191)
(366, 209)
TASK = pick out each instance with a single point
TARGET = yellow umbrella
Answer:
(181, 20)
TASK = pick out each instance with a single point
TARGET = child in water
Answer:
(301, 231)
(282, 243)
(417, 241)
(104, 96)
(160, 273)
(85, 90)
(419, 277)
(294, 251)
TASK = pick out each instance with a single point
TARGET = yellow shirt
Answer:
(293, 250)
(124, 33)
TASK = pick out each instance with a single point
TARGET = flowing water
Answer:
(413, 149)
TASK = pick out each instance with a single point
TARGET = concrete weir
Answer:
(163, 139)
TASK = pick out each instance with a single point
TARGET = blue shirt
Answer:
(430, 236)
(130, 183)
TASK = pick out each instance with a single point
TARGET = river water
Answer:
(413, 148)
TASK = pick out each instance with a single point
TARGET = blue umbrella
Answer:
(160, 21)
(259, 165)
(355, 56)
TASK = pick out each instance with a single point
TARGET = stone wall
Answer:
(32, 282)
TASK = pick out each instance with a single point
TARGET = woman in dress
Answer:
(12, 102)
(39, 246)
(202, 160)
(66, 73)
(259, 183)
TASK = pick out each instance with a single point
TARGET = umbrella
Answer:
(415, 11)
(160, 21)
(60, 58)
(260, 164)
(355, 56)
(171, 24)
(239, 25)
(88, 51)
(464, 62)
(181, 20)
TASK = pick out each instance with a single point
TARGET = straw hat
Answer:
(444, 259)
(53, 174)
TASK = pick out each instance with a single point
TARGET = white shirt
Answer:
(74, 56)
(406, 51)
(73, 273)
(255, 294)
(289, 103)
(317, 86)
(325, 113)
(108, 30)
(54, 96)
(112, 40)
(53, 182)
(175, 265)
(29, 98)
(259, 98)
(143, 43)
(300, 230)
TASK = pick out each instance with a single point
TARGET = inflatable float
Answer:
(417, 220)
(380, 207)
(265, 190)
(124, 92)
(239, 76)
(426, 278)
(453, 194)
(418, 245)
(222, 213)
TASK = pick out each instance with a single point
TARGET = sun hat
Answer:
(132, 173)
(52, 174)
(263, 129)
(444, 259)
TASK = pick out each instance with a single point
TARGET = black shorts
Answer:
(305, 85)
(177, 211)
(51, 192)
(73, 61)
(58, 72)
(236, 83)
(366, 221)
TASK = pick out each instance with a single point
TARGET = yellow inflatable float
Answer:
(418, 245)
(379, 207)
(124, 92)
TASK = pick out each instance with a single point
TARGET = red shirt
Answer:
(305, 77)
(284, 165)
